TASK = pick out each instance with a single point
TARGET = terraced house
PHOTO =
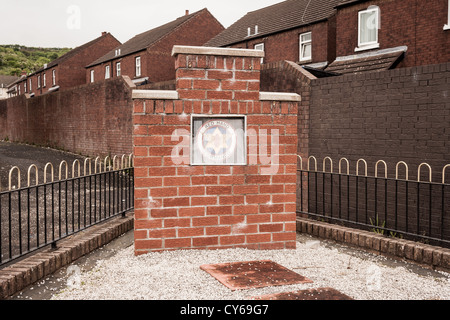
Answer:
(302, 31)
(346, 36)
(68, 70)
(146, 58)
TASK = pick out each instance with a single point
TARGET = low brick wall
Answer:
(410, 251)
(93, 119)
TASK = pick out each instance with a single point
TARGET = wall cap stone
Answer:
(279, 96)
(155, 94)
(217, 51)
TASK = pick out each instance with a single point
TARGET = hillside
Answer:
(15, 58)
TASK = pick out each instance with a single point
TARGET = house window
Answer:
(118, 69)
(260, 46)
(54, 77)
(92, 76)
(44, 80)
(39, 81)
(368, 25)
(138, 66)
(107, 72)
(31, 86)
(24, 87)
(447, 26)
(306, 46)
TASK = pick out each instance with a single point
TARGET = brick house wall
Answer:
(156, 60)
(415, 24)
(286, 45)
(180, 206)
(70, 71)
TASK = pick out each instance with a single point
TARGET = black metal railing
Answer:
(38, 216)
(400, 208)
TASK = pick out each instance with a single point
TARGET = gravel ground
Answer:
(176, 275)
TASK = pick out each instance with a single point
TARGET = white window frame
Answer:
(39, 81)
(31, 86)
(447, 26)
(260, 46)
(92, 76)
(44, 80)
(118, 69)
(302, 43)
(54, 77)
(107, 72)
(24, 87)
(138, 67)
(372, 44)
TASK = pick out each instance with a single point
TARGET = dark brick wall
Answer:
(92, 119)
(286, 76)
(397, 115)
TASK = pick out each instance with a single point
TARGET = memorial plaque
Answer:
(218, 141)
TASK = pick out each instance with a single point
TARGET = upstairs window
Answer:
(107, 72)
(138, 67)
(39, 82)
(306, 46)
(54, 77)
(92, 76)
(31, 86)
(368, 26)
(24, 87)
(260, 46)
(118, 69)
(44, 80)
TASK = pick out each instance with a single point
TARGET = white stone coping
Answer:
(173, 95)
(212, 51)
(155, 94)
(279, 96)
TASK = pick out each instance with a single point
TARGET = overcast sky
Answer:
(71, 23)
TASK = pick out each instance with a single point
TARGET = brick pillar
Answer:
(182, 204)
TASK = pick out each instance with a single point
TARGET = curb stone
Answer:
(28, 271)
(433, 257)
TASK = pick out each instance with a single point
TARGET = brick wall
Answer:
(401, 114)
(180, 206)
(91, 119)
(415, 24)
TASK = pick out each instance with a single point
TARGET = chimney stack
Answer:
(104, 33)
(187, 12)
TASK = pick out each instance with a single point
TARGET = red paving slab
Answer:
(312, 294)
(253, 274)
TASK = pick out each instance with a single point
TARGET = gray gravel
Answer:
(176, 275)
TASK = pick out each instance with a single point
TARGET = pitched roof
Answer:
(278, 17)
(7, 80)
(369, 62)
(145, 39)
